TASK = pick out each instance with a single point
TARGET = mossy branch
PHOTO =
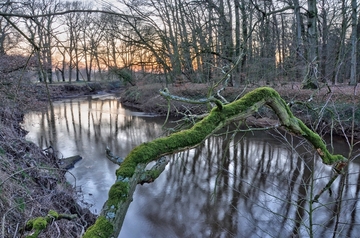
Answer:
(38, 224)
(150, 175)
(120, 194)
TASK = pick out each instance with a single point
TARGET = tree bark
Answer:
(132, 168)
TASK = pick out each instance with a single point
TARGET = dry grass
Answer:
(31, 183)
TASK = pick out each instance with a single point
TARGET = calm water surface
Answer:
(249, 185)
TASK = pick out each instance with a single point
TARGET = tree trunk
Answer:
(340, 54)
(311, 75)
(353, 80)
(324, 42)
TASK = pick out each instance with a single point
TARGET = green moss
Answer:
(150, 175)
(320, 146)
(53, 214)
(127, 168)
(118, 192)
(101, 229)
(37, 224)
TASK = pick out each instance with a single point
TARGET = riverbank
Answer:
(327, 110)
(32, 183)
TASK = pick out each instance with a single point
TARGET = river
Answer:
(245, 185)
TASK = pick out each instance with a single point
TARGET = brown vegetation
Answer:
(338, 100)
(31, 182)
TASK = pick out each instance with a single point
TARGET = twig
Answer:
(338, 169)
(58, 230)
(16, 230)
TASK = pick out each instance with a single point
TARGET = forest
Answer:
(276, 42)
(254, 47)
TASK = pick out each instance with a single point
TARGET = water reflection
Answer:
(242, 186)
(86, 127)
(245, 188)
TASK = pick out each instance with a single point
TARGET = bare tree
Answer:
(91, 37)
(311, 75)
(9, 37)
(354, 42)
(42, 31)
(73, 24)
(340, 45)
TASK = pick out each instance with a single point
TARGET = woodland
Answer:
(308, 51)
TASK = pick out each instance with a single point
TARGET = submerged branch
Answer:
(113, 213)
(115, 159)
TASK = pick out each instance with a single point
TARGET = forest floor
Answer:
(32, 183)
(146, 96)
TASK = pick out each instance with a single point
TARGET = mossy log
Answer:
(113, 213)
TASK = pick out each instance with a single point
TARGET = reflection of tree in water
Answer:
(86, 127)
(93, 121)
(249, 188)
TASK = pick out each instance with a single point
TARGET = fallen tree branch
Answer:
(113, 213)
(166, 94)
(150, 175)
(38, 224)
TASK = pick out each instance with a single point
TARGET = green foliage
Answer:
(2, 151)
